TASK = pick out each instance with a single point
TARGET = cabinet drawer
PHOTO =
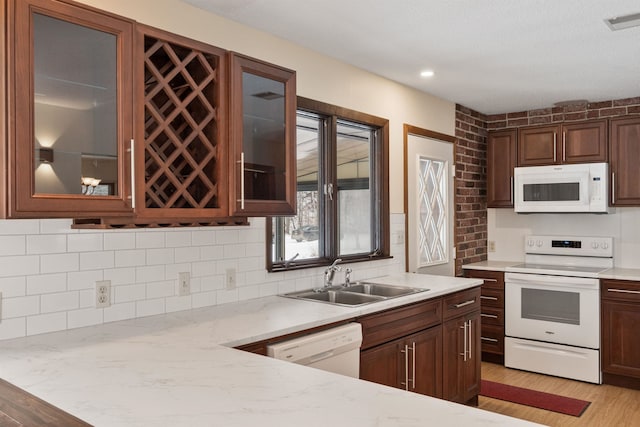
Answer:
(620, 290)
(492, 316)
(492, 279)
(396, 323)
(492, 298)
(492, 339)
(461, 303)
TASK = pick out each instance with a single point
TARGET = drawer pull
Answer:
(489, 298)
(489, 280)
(623, 291)
(488, 339)
(464, 304)
(492, 316)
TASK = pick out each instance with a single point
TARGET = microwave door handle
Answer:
(554, 147)
(613, 188)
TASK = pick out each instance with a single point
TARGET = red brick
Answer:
(599, 105)
(616, 111)
(518, 122)
(497, 125)
(517, 115)
(575, 107)
(557, 117)
(593, 114)
(633, 109)
(540, 112)
(575, 116)
(626, 101)
(496, 117)
(539, 120)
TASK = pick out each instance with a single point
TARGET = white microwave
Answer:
(562, 188)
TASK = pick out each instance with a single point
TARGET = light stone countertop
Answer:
(621, 274)
(491, 265)
(178, 370)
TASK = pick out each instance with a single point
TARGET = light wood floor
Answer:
(610, 406)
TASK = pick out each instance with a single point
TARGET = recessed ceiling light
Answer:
(622, 22)
(427, 73)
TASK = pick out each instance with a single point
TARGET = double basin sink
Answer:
(358, 294)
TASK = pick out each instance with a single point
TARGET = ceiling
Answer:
(493, 56)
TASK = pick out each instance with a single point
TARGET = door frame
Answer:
(414, 130)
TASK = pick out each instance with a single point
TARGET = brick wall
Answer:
(471, 187)
(471, 159)
(578, 111)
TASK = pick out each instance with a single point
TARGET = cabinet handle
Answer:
(413, 375)
(623, 291)
(564, 146)
(464, 349)
(613, 188)
(242, 180)
(406, 367)
(511, 191)
(470, 345)
(463, 304)
(490, 316)
(489, 298)
(488, 339)
(133, 172)
(554, 147)
(490, 280)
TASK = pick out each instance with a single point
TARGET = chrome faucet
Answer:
(347, 277)
(330, 272)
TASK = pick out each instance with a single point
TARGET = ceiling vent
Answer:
(622, 22)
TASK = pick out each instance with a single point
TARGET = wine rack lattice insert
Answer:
(181, 156)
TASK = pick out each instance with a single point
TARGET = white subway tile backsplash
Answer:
(150, 307)
(20, 306)
(48, 271)
(64, 301)
(84, 317)
(116, 241)
(46, 244)
(120, 276)
(119, 312)
(19, 265)
(96, 260)
(13, 286)
(46, 323)
(160, 256)
(13, 328)
(150, 239)
(59, 263)
(46, 284)
(153, 273)
(77, 280)
(178, 239)
(203, 237)
(126, 293)
(20, 226)
(163, 289)
(130, 258)
(12, 245)
(85, 242)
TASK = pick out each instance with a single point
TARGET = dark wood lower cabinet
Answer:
(412, 363)
(461, 358)
(620, 308)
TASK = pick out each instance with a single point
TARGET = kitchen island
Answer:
(180, 370)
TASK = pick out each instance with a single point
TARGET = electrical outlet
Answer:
(184, 283)
(103, 293)
(491, 245)
(231, 278)
(399, 237)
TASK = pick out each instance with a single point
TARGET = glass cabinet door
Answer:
(73, 110)
(262, 138)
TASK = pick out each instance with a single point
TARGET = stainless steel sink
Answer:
(360, 293)
(389, 291)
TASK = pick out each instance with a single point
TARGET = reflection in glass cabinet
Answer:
(75, 108)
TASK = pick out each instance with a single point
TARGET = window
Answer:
(342, 193)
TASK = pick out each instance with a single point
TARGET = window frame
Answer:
(379, 158)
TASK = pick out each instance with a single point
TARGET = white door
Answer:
(430, 207)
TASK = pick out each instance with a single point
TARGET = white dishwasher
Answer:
(334, 350)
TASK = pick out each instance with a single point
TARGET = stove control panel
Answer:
(569, 245)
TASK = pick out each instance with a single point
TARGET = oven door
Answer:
(557, 309)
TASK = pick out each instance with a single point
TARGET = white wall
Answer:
(508, 229)
(48, 271)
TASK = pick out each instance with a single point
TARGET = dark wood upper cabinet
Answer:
(262, 144)
(69, 109)
(181, 127)
(579, 142)
(624, 158)
(501, 159)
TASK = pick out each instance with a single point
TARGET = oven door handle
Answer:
(546, 281)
